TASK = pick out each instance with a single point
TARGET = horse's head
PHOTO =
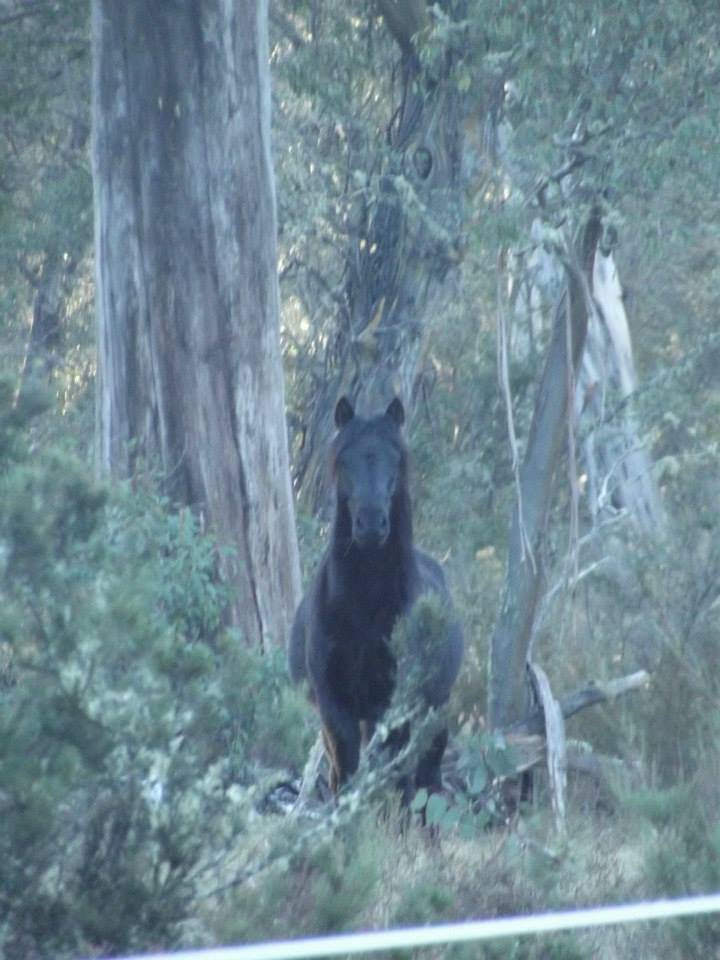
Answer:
(369, 466)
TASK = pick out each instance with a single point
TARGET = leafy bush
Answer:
(324, 887)
(666, 619)
(131, 723)
(685, 857)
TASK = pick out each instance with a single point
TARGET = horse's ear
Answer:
(343, 412)
(396, 412)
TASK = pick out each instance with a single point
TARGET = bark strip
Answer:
(190, 377)
(524, 580)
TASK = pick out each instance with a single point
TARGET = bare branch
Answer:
(555, 743)
(29, 10)
(504, 378)
(529, 751)
(523, 585)
(572, 703)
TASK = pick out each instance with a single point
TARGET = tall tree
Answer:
(524, 580)
(402, 226)
(595, 84)
(190, 374)
(45, 189)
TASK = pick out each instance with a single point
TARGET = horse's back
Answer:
(442, 672)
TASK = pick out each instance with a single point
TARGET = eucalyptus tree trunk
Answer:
(617, 463)
(403, 266)
(524, 579)
(190, 378)
(402, 263)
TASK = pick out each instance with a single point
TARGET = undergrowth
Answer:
(139, 737)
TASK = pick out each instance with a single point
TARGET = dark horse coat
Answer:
(370, 576)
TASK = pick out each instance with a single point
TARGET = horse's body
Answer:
(370, 576)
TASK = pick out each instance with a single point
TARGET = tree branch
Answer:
(556, 746)
(587, 696)
(404, 18)
(523, 580)
(28, 11)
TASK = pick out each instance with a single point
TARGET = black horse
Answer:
(370, 576)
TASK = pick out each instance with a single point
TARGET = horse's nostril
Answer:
(371, 524)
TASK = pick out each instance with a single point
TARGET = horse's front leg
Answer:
(428, 773)
(341, 736)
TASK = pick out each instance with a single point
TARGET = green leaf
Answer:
(419, 800)
(467, 827)
(436, 809)
(479, 779)
(452, 818)
(499, 762)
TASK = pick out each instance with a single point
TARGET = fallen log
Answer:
(600, 691)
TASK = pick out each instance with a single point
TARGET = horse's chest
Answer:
(361, 667)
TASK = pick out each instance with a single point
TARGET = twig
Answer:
(504, 378)
(29, 11)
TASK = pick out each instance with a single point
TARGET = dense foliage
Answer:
(132, 727)
(139, 739)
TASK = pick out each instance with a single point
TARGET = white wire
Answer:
(354, 943)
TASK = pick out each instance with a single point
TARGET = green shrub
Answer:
(132, 725)
(684, 857)
(325, 886)
(346, 872)
(557, 947)
(425, 902)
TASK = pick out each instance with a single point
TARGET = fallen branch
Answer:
(572, 703)
(530, 750)
(556, 747)
(310, 777)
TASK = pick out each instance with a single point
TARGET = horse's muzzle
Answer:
(371, 528)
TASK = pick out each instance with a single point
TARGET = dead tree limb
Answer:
(572, 703)
(530, 752)
(556, 746)
(524, 579)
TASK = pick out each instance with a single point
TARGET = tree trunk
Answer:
(404, 252)
(41, 356)
(190, 376)
(403, 266)
(618, 465)
(524, 577)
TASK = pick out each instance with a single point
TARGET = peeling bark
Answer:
(190, 374)
(556, 746)
(617, 462)
(524, 577)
